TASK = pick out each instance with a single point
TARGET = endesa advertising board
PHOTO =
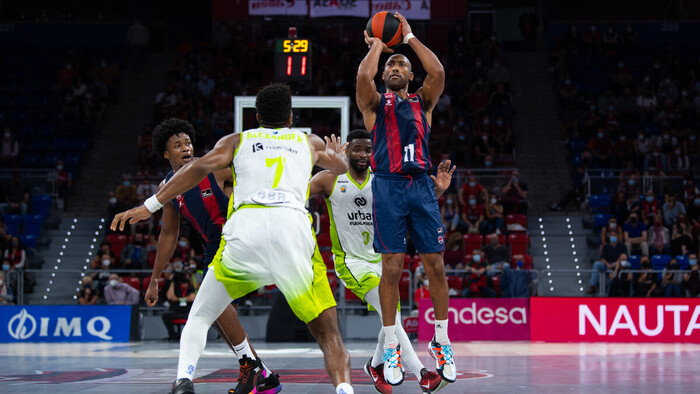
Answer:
(479, 319)
(615, 319)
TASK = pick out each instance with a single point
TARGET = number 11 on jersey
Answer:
(409, 153)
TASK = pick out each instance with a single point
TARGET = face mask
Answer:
(113, 282)
(472, 184)
(106, 263)
(477, 258)
(632, 182)
(696, 201)
(692, 138)
(183, 244)
(472, 201)
(693, 261)
(487, 163)
(462, 137)
(497, 64)
(449, 201)
(442, 122)
(649, 199)
(193, 267)
(15, 243)
(127, 183)
(113, 200)
(499, 122)
(601, 135)
(625, 263)
(224, 94)
(592, 107)
(613, 226)
(494, 201)
(460, 123)
(59, 167)
(187, 77)
(177, 267)
(613, 239)
(611, 108)
(5, 267)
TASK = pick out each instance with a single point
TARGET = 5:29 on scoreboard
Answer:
(293, 60)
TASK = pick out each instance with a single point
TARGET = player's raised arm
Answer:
(434, 82)
(329, 155)
(366, 94)
(322, 183)
(167, 240)
(184, 179)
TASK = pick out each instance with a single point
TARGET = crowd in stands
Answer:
(630, 111)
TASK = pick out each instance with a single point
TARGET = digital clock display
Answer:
(299, 45)
(293, 60)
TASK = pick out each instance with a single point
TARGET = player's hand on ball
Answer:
(405, 27)
(372, 41)
(132, 216)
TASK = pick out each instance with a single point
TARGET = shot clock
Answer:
(293, 60)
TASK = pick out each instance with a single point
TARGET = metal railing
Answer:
(37, 180)
(608, 181)
(604, 279)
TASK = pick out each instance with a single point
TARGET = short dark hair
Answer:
(168, 128)
(274, 103)
(358, 134)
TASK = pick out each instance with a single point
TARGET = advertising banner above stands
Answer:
(411, 9)
(277, 7)
(322, 8)
(479, 319)
(615, 319)
(63, 323)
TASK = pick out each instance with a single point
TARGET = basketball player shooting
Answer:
(404, 197)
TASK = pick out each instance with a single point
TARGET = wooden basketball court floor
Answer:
(485, 367)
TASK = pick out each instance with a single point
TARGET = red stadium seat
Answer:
(324, 240)
(455, 282)
(404, 285)
(407, 262)
(471, 242)
(325, 223)
(416, 262)
(519, 243)
(328, 259)
(116, 243)
(133, 282)
(332, 281)
(350, 296)
(516, 218)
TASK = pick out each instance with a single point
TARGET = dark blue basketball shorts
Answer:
(406, 204)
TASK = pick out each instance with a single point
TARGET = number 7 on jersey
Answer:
(279, 163)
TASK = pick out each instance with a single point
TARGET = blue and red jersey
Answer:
(205, 207)
(400, 136)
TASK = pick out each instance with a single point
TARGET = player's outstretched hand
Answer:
(372, 41)
(132, 216)
(151, 296)
(444, 175)
(333, 144)
(405, 27)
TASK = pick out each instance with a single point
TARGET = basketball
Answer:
(386, 27)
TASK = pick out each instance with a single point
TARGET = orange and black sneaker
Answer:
(377, 375)
(251, 372)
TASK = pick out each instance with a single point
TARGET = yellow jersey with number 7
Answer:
(271, 167)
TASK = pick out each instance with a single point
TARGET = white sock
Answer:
(390, 339)
(408, 354)
(441, 332)
(243, 349)
(210, 302)
(344, 388)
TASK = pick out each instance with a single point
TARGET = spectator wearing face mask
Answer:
(496, 255)
(672, 281)
(689, 191)
(612, 228)
(678, 162)
(119, 293)
(691, 147)
(659, 237)
(671, 210)
(601, 149)
(473, 216)
(502, 136)
(621, 278)
(422, 292)
(450, 214)
(628, 184)
(691, 280)
(134, 255)
(146, 189)
(488, 162)
(88, 295)
(472, 187)
(494, 215)
(483, 147)
(635, 232)
(514, 194)
(454, 255)
(650, 207)
(126, 194)
(16, 253)
(184, 250)
(476, 278)
(682, 241)
(613, 253)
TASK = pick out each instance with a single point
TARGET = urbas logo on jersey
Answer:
(207, 193)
